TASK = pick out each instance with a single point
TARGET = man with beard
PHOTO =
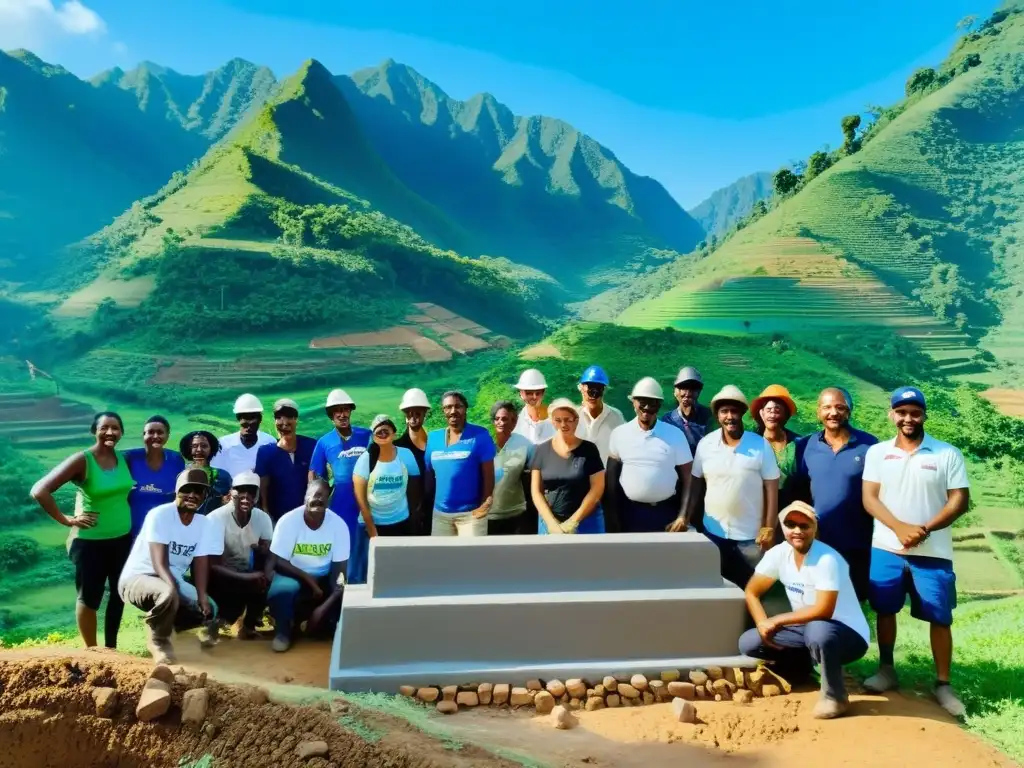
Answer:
(173, 540)
(238, 450)
(648, 472)
(736, 472)
(826, 625)
(414, 407)
(283, 467)
(827, 472)
(239, 577)
(915, 487)
(335, 456)
(692, 417)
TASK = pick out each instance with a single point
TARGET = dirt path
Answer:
(884, 732)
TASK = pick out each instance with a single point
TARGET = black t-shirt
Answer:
(566, 481)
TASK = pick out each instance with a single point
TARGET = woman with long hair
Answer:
(197, 449)
(100, 537)
(155, 468)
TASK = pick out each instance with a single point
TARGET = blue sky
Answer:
(695, 95)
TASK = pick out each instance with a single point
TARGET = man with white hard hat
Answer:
(533, 423)
(414, 407)
(336, 454)
(648, 465)
(238, 450)
(738, 475)
(283, 466)
(692, 417)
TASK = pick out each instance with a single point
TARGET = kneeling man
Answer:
(826, 626)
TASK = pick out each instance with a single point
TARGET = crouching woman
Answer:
(310, 549)
(826, 626)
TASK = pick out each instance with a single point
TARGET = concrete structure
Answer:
(442, 611)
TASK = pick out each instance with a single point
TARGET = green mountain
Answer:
(725, 206)
(533, 189)
(916, 224)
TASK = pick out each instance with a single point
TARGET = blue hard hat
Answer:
(594, 375)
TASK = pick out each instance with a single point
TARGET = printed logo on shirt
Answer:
(856, 458)
(388, 482)
(931, 467)
(353, 452)
(312, 550)
(150, 488)
(797, 589)
(451, 455)
(181, 550)
(892, 457)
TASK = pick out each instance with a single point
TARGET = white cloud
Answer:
(37, 24)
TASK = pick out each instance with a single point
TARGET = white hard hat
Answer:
(243, 479)
(339, 397)
(647, 387)
(248, 404)
(531, 380)
(414, 398)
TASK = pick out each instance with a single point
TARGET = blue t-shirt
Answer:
(387, 487)
(341, 456)
(151, 488)
(456, 468)
(831, 482)
(287, 477)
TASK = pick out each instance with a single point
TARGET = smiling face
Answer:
(316, 503)
(383, 434)
(341, 417)
(505, 421)
(249, 423)
(730, 419)
(833, 410)
(592, 393)
(532, 397)
(154, 436)
(200, 449)
(190, 497)
(414, 418)
(108, 432)
(454, 412)
(799, 530)
(285, 421)
(909, 420)
(245, 498)
(774, 414)
(565, 421)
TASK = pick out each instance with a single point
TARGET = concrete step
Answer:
(497, 565)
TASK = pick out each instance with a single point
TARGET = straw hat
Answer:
(772, 392)
(730, 393)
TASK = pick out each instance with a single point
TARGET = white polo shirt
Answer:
(234, 457)
(734, 499)
(535, 431)
(649, 459)
(914, 488)
(510, 462)
(599, 430)
(823, 570)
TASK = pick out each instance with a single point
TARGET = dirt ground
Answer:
(882, 732)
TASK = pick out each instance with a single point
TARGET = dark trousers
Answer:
(98, 564)
(359, 558)
(508, 526)
(236, 597)
(829, 644)
(639, 517)
(291, 602)
(739, 558)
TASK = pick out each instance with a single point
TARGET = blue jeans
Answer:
(290, 601)
(359, 558)
(739, 558)
(592, 523)
(928, 581)
(829, 644)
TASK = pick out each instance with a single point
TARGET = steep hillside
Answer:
(725, 206)
(533, 189)
(916, 225)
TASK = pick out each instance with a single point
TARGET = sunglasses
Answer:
(382, 433)
(797, 526)
(197, 490)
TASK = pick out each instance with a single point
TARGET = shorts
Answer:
(928, 581)
(98, 563)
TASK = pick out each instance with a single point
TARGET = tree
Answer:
(850, 124)
(785, 181)
(922, 79)
(817, 164)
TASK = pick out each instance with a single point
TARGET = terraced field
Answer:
(35, 421)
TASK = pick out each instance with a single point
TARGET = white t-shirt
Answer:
(238, 542)
(234, 457)
(914, 488)
(649, 459)
(184, 542)
(823, 569)
(386, 489)
(734, 500)
(510, 462)
(599, 430)
(308, 550)
(535, 431)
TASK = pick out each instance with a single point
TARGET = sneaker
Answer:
(828, 708)
(949, 701)
(883, 680)
(281, 643)
(207, 635)
(161, 651)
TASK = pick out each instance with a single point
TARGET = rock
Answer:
(575, 704)
(520, 697)
(697, 677)
(428, 695)
(684, 711)
(407, 690)
(576, 688)
(639, 682)
(183, 680)
(627, 691)
(702, 692)
(544, 702)
(658, 688)
(339, 706)
(258, 696)
(163, 673)
(105, 700)
(743, 696)
(718, 697)
(670, 675)
(590, 692)
(737, 677)
(449, 692)
(610, 683)
(770, 689)
(468, 687)
(155, 684)
(501, 694)
(682, 690)
(562, 719)
(755, 679)
(723, 686)
(783, 684)
(648, 697)
(613, 700)
(210, 730)
(534, 685)
(194, 706)
(307, 749)
(484, 692)
(594, 703)
(556, 688)
(599, 690)
(467, 698)
(153, 703)
(201, 682)
(564, 699)
(715, 673)
(446, 707)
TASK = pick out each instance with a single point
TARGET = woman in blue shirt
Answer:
(154, 469)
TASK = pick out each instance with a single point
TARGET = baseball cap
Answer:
(382, 418)
(285, 402)
(194, 476)
(243, 479)
(803, 508)
(907, 396)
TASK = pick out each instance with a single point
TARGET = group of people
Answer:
(224, 529)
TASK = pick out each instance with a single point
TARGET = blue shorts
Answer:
(929, 581)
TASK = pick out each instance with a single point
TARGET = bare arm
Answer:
(486, 488)
(71, 470)
(158, 555)
(590, 501)
(201, 579)
(359, 486)
(685, 481)
(285, 568)
(756, 587)
(957, 501)
(909, 535)
(543, 509)
(264, 498)
(690, 499)
(766, 536)
(822, 610)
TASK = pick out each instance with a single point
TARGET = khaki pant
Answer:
(463, 524)
(165, 611)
